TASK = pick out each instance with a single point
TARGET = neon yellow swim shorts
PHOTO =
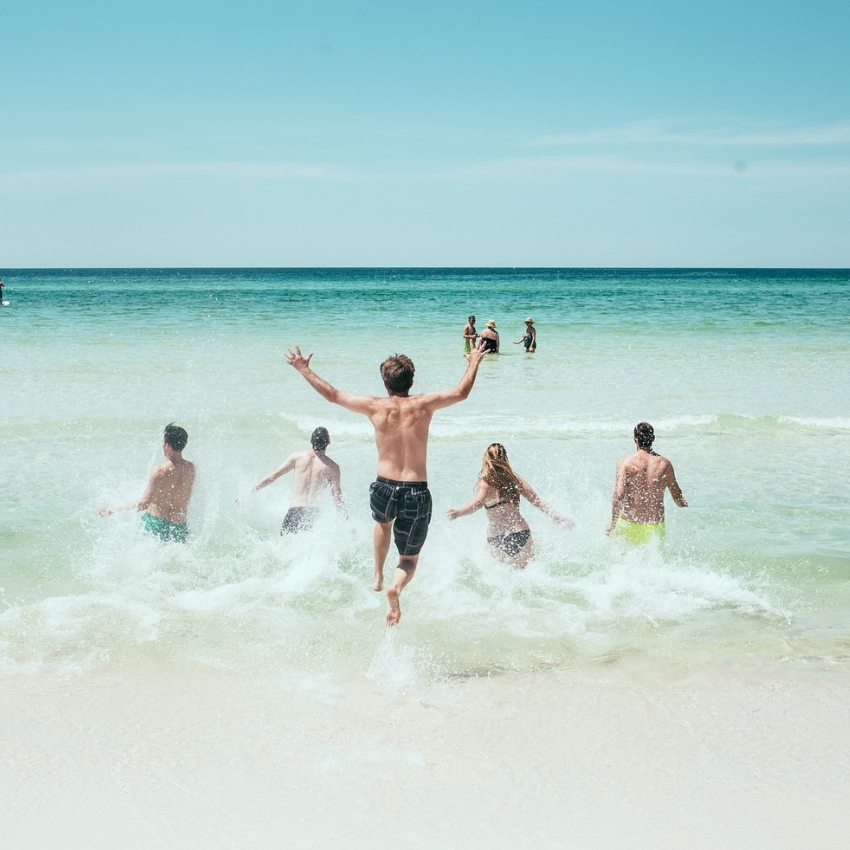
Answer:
(639, 533)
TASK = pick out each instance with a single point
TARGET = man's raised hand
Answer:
(477, 353)
(297, 359)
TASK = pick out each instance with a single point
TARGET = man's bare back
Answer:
(313, 473)
(642, 479)
(169, 490)
(401, 435)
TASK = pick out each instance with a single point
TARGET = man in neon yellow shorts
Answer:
(637, 511)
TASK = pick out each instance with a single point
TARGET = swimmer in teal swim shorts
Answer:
(166, 498)
(637, 511)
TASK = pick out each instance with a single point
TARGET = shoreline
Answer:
(171, 757)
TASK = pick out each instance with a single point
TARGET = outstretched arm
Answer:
(336, 491)
(527, 491)
(480, 495)
(446, 398)
(288, 466)
(357, 403)
(675, 489)
(156, 473)
(619, 495)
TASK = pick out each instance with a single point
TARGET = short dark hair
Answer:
(320, 439)
(397, 372)
(644, 434)
(175, 436)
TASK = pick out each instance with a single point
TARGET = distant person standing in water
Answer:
(498, 491)
(2, 285)
(314, 473)
(166, 498)
(637, 512)
(399, 498)
(470, 335)
(490, 338)
(530, 338)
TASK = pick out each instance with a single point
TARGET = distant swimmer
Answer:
(314, 473)
(490, 338)
(399, 498)
(498, 491)
(529, 340)
(2, 286)
(470, 335)
(166, 498)
(637, 512)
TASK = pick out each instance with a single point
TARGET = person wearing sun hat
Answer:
(489, 339)
(530, 338)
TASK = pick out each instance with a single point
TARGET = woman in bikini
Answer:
(498, 491)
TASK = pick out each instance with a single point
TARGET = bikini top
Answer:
(494, 503)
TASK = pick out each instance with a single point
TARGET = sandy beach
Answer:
(150, 758)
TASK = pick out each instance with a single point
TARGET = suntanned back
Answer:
(646, 479)
(172, 489)
(313, 473)
(401, 435)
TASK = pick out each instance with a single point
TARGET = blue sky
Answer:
(334, 133)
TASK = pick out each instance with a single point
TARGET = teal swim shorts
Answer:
(175, 532)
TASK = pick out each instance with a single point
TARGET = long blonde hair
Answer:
(496, 471)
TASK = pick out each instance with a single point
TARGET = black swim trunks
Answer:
(511, 544)
(409, 504)
(298, 519)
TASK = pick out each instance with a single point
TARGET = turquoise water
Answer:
(743, 373)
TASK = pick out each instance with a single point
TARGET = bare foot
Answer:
(394, 611)
(378, 583)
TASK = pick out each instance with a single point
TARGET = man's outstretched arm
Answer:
(336, 491)
(357, 403)
(446, 398)
(288, 466)
(147, 497)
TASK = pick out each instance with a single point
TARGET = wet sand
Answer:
(148, 758)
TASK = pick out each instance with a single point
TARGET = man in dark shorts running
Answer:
(399, 498)
(314, 472)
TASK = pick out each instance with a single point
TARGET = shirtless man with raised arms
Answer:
(399, 498)
(637, 511)
(314, 472)
(166, 498)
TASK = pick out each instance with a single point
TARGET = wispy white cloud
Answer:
(240, 170)
(542, 167)
(523, 169)
(650, 133)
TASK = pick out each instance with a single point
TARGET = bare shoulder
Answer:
(425, 401)
(661, 463)
(624, 461)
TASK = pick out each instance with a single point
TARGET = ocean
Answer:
(743, 373)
